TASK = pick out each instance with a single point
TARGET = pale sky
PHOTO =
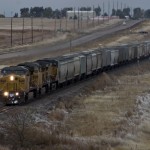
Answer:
(13, 6)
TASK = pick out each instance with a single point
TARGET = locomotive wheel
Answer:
(35, 94)
(26, 97)
(46, 89)
(54, 86)
(40, 91)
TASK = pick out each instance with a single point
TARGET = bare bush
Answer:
(57, 115)
(17, 126)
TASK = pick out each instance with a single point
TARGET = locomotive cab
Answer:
(13, 84)
(35, 73)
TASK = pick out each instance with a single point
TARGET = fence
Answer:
(20, 31)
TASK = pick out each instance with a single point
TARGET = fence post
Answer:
(81, 19)
(78, 19)
(55, 24)
(22, 30)
(11, 31)
(60, 19)
(74, 19)
(87, 18)
(42, 27)
(66, 22)
(103, 10)
(32, 28)
(93, 16)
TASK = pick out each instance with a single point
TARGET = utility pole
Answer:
(74, 19)
(113, 5)
(11, 31)
(108, 9)
(117, 8)
(93, 15)
(42, 27)
(131, 11)
(81, 19)
(60, 20)
(66, 21)
(124, 5)
(78, 19)
(22, 30)
(98, 15)
(103, 11)
(87, 18)
(70, 44)
(32, 29)
(70, 41)
(121, 6)
(55, 23)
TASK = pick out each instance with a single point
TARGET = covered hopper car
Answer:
(16, 82)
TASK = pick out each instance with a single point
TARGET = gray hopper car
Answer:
(98, 53)
(106, 58)
(114, 57)
(52, 73)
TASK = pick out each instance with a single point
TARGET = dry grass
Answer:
(108, 110)
(4, 148)
(99, 117)
(57, 115)
(100, 114)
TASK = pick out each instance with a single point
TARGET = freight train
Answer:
(16, 82)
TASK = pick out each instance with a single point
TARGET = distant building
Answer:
(81, 14)
(2, 16)
(127, 17)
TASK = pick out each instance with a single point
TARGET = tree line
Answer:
(48, 12)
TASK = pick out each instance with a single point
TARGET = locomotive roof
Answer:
(58, 59)
(74, 55)
(63, 58)
(31, 65)
(135, 44)
(122, 46)
(71, 55)
(146, 42)
(86, 52)
(15, 68)
(51, 60)
(106, 50)
(43, 63)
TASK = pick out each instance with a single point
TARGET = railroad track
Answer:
(5, 109)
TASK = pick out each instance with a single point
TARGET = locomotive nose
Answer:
(14, 98)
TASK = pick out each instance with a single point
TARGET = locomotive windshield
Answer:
(17, 72)
(13, 70)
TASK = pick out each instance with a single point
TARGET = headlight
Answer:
(11, 78)
(15, 102)
(6, 93)
(17, 94)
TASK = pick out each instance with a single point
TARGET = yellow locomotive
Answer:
(14, 84)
